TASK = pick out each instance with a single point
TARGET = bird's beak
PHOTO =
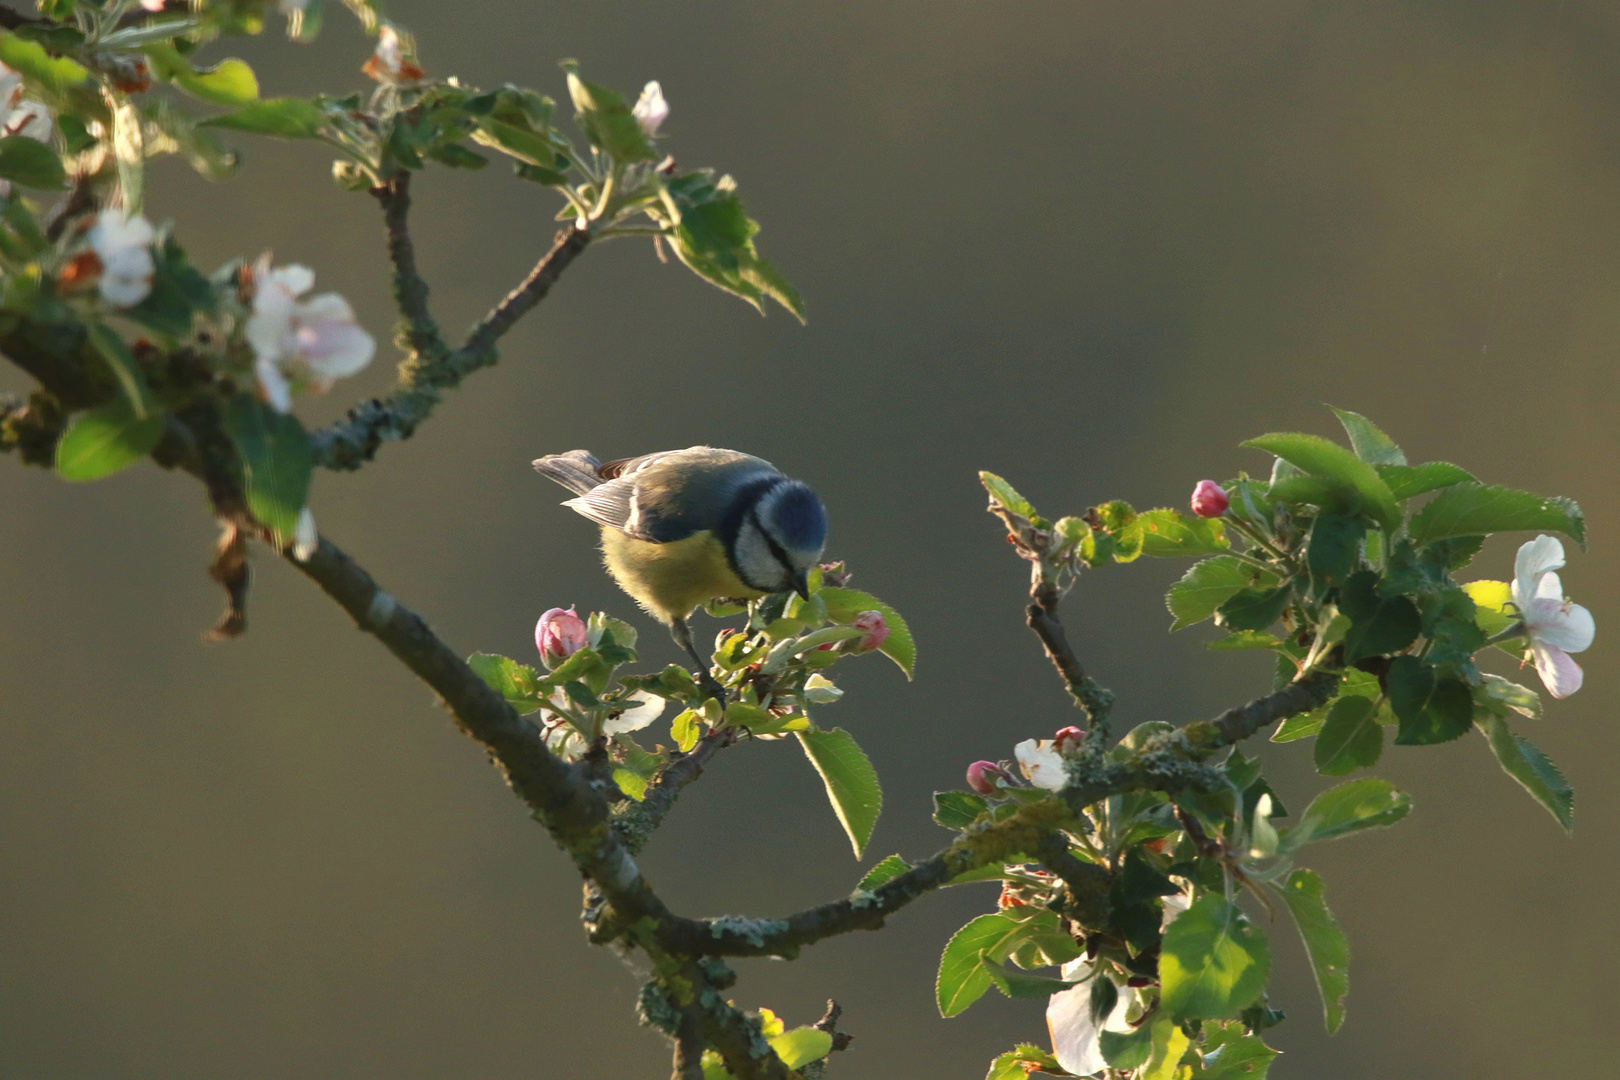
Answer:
(801, 584)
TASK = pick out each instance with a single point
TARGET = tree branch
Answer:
(1236, 724)
(431, 367)
(635, 822)
(533, 289)
(1041, 617)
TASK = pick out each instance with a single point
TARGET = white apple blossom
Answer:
(649, 707)
(1076, 1035)
(651, 110)
(1554, 626)
(301, 342)
(1040, 762)
(123, 246)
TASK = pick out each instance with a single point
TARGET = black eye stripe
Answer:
(770, 541)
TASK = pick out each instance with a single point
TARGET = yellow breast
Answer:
(669, 580)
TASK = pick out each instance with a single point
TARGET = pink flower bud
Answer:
(1068, 740)
(1209, 499)
(871, 624)
(559, 634)
(982, 777)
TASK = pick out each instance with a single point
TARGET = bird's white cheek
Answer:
(755, 563)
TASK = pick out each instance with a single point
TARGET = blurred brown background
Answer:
(1091, 246)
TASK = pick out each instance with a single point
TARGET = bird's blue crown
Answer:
(797, 518)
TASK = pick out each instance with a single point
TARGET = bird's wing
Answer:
(619, 504)
(575, 470)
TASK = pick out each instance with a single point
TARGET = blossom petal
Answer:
(637, 718)
(1076, 1038)
(1041, 764)
(274, 384)
(1563, 625)
(1561, 675)
(1536, 557)
(332, 343)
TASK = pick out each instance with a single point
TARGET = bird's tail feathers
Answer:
(575, 470)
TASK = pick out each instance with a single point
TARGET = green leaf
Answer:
(685, 730)
(631, 783)
(1368, 803)
(130, 378)
(1330, 461)
(1021, 1061)
(1491, 614)
(1230, 1053)
(1333, 551)
(528, 147)
(962, 979)
(1479, 509)
(1534, 771)
(1253, 609)
(517, 683)
(1432, 708)
(229, 82)
(1208, 585)
(958, 809)
(1169, 1046)
(1021, 985)
(106, 439)
(1333, 495)
(605, 118)
(56, 75)
(1406, 481)
(1325, 943)
(1370, 444)
(714, 238)
(1126, 1050)
(284, 118)
(276, 462)
(1242, 641)
(1170, 534)
(852, 783)
(843, 605)
(1502, 694)
(887, 870)
(801, 1046)
(1350, 739)
(31, 163)
(1213, 962)
(1300, 727)
(1006, 495)
(1378, 624)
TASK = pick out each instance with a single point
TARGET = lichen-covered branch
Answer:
(1042, 617)
(635, 822)
(1236, 724)
(431, 366)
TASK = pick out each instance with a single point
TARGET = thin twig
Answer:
(1236, 724)
(432, 367)
(636, 821)
(689, 1045)
(533, 289)
(1041, 616)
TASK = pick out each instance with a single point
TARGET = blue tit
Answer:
(683, 527)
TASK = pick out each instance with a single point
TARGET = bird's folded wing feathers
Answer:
(575, 470)
(611, 503)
